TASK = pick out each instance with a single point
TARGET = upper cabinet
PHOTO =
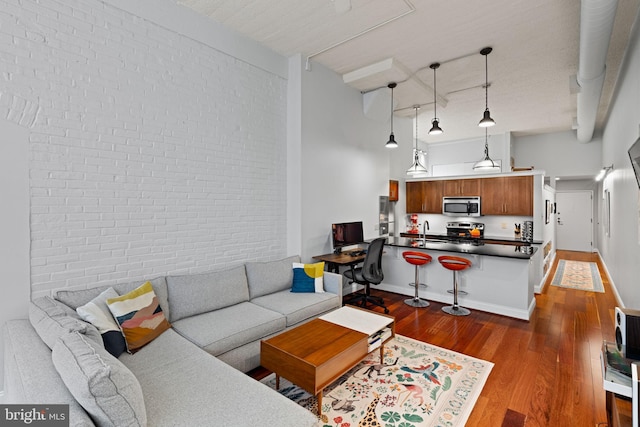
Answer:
(461, 187)
(393, 191)
(509, 195)
(424, 197)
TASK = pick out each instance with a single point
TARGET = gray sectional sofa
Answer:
(192, 374)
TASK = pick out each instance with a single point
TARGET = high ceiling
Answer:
(535, 54)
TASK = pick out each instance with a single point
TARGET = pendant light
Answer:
(391, 143)
(486, 121)
(435, 129)
(417, 167)
(486, 164)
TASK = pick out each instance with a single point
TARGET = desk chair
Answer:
(369, 273)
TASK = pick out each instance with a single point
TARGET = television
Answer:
(346, 234)
(634, 156)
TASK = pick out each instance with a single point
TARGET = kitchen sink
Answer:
(421, 243)
(436, 241)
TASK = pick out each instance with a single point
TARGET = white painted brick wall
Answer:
(151, 153)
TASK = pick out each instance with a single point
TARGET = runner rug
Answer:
(580, 275)
(417, 385)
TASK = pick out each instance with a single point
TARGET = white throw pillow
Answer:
(97, 313)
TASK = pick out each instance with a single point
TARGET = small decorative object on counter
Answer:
(527, 231)
(412, 225)
(516, 230)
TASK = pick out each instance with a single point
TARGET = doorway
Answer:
(574, 217)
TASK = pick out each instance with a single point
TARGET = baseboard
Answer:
(468, 303)
(611, 283)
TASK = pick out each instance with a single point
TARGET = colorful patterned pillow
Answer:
(308, 277)
(97, 313)
(139, 315)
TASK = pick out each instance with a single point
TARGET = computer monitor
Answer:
(346, 234)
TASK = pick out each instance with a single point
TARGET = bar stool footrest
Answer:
(422, 285)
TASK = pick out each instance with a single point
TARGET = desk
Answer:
(334, 261)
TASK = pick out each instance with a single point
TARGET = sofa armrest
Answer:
(333, 283)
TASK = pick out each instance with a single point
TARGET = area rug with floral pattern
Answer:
(417, 384)
(580, 275)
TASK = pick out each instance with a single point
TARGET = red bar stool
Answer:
(455, 264)
(417, 259)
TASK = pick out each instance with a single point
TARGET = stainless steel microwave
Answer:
(461, 206)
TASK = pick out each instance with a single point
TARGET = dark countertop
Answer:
(486, 237)
(520, 251)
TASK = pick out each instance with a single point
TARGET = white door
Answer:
(574, 216)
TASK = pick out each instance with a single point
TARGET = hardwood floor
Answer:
(547, 370)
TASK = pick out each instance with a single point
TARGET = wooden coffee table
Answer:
(317, 353)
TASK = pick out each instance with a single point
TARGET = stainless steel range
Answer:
(461, 232)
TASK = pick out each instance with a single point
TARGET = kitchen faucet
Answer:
(425, 227)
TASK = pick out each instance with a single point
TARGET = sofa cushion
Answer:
(97, 313)
(198, 293)
(307, 277)
(139, 315)
(76, 298)
(104, 387)
(184, 385)
(51, 320)
(269, 277)
(30, 375)
(298, 307)
(230, 327)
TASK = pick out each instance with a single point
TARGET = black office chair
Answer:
(369, 273)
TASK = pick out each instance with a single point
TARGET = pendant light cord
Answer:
(392, 106)
(486, 145)
(435, 102)
(416, 108)
(486, 82)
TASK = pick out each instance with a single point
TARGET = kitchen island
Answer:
(499, 281)
(479, 246)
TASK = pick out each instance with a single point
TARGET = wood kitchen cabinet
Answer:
(511, 195)
(461, 187)
(424, 197)
(393, 191)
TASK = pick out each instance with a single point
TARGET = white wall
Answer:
(621, 251)
(548, 236)
(14, 221)
(558, 154)
(458, 157)
(345, 165)
(151, 152)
